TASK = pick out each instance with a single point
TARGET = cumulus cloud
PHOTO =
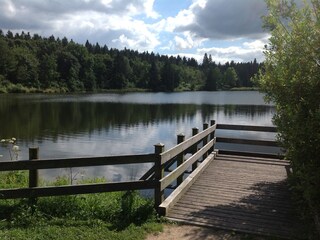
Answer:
(245, 52)
(136, 25)
(111, 22)
(220, 19)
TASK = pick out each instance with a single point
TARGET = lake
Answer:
(78, 125)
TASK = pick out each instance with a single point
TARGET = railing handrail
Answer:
(166, 180)
(75, 189)
(76, 162)
(247, 128)
(176, 150)
(160, 158)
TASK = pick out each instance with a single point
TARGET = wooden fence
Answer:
(199, 148)
(265, 143)
(152, 179)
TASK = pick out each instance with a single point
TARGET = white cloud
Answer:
(105, 21)
(148, 6)
(243, 53)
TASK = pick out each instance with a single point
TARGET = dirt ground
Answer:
(188, 232)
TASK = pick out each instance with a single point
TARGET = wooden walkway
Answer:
(243, 194)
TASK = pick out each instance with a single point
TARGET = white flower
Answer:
(3, 140)
(15, 148)
(13, 139)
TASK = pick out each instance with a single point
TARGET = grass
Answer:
(116, 215)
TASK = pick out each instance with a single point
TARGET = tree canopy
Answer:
(36, 63)
(291, 79)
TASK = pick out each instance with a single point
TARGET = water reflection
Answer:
(113, 124)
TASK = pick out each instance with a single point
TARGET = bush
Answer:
(291, 79)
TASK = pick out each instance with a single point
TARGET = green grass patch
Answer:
(115, 215)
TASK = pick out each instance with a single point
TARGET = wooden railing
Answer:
(266, 143)
(200, 145)
(34, 164)
(199, 148)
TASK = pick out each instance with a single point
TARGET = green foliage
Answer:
(291, 79)
(36, 64)
(118, 215)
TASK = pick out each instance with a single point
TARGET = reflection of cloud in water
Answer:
(118, 173)
(112, 124)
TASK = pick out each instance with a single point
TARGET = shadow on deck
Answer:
(242, 194)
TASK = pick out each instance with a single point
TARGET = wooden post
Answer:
(195, 131)
(180, 157)
(212, 122)
(159, 173)
(205, 140)
(33, 174)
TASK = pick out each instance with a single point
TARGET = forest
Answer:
(49, 64)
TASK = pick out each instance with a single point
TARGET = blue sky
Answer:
(226, 29)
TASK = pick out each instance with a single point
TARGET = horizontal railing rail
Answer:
(247, 128)
(75, 189)
(243, 141)
(173, 152)
(76, 162)
(200, 149)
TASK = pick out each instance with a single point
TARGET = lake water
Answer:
(78, 125)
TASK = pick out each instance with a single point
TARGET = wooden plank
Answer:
(75, 189)
(267, 143)
(198, 201)
(243, 194)
(148, 174)
(167, 180)
(173, 152)
(246, 128)
(238, 226)
(76, 162)
(184, 186)
(221, 225)
(251, 154)
(250, 157)
(235, 212)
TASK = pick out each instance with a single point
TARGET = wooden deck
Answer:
(243, 194)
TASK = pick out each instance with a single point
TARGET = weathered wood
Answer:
(76, 162)
(33, 174)
(212, 123)
(148, 174)
(248, 195)
(167, 180)
(75, 189)
(171, 153)
(180, 158)
(248, 141)
(158, 175)
(205, 140)
(186, 184)
(251, 154)
(195, 131)
(246, 128)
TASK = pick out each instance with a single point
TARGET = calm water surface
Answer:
(79, 125)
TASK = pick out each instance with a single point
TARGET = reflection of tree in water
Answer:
(29, 118)
(251, 111)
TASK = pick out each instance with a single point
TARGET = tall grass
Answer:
(119, 214)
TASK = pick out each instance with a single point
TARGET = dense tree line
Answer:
(35, 63)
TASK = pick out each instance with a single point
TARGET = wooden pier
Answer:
(244, 194)
(233, 190)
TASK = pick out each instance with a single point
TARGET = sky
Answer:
(229, 30)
